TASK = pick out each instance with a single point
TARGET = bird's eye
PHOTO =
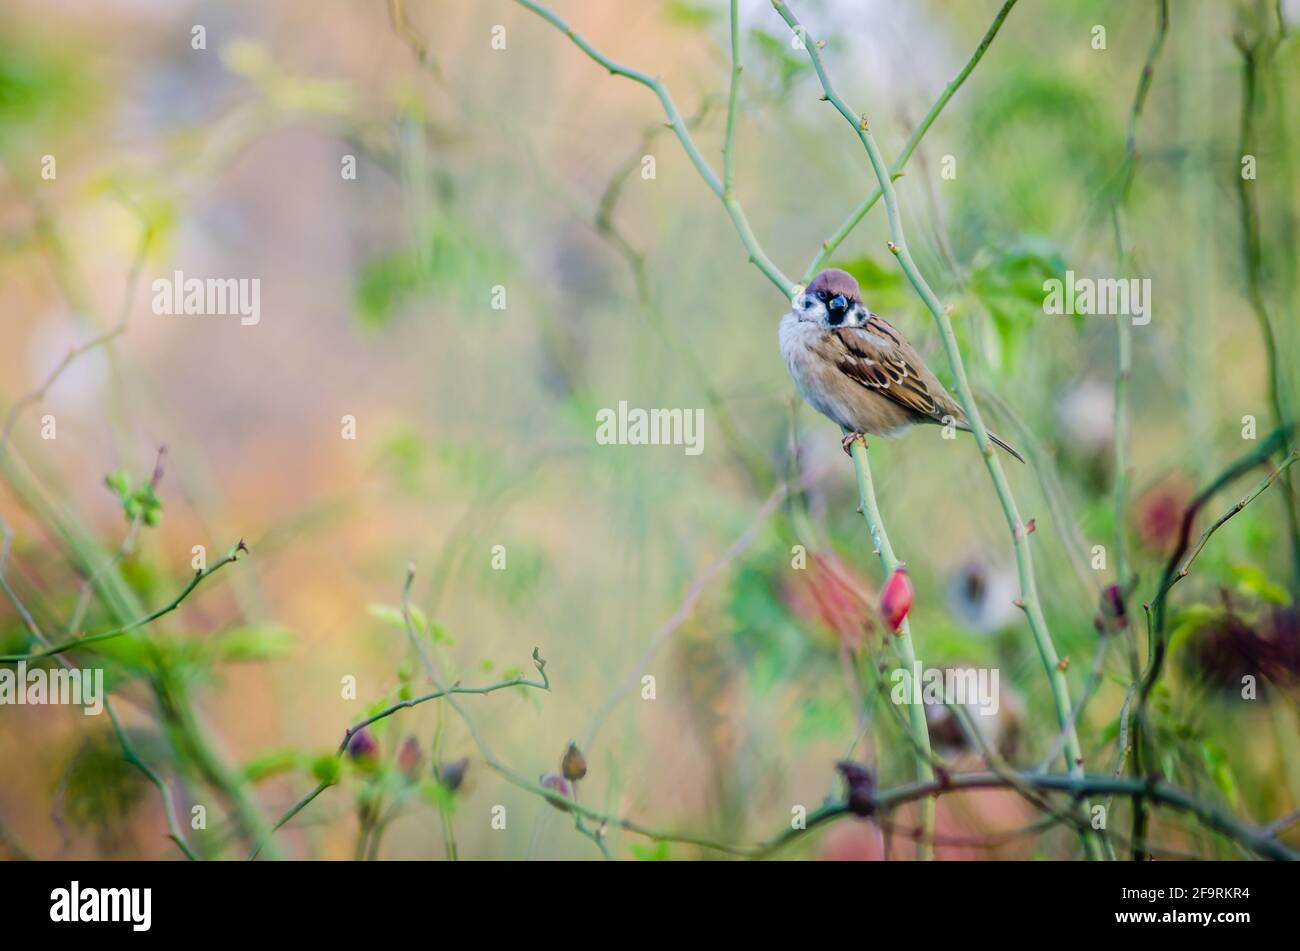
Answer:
(823, 296)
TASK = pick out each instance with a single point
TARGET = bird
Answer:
(855, 369)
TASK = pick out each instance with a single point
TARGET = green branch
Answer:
(896, 170)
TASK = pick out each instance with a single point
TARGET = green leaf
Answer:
(655, 852)
(1216, 762)
(272, 763)
(778, 55)
(682, 13)
(393, 616)
(251, 644)
(325, 769)
(120, 482)
(1253, 580)
(142, 502)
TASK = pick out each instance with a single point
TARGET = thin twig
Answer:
(77, 643)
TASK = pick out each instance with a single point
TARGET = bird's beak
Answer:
(839, 302)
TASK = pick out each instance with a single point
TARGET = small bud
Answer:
(452, 775)
(363, 745)
(1112, 613)
(558, 784)
(410, 759)
(859, 787)
(896, 599)
(574, 764)
(1030, 526)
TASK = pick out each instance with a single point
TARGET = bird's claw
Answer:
(849, 439)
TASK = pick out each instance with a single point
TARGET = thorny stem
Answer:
(917, 725)
(1024, 558)
(896, 170)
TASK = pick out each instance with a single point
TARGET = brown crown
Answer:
(834, 281)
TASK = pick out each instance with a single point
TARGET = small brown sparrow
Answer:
(858, 371)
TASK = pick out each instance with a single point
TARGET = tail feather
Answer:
(999, 441)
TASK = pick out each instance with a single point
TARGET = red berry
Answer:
(896, 599)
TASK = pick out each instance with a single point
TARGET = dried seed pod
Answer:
(574, 764)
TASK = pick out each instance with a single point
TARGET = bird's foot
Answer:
(849, 439)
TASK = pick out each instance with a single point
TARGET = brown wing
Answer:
(886, 365)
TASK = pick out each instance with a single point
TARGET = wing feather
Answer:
(876, 357)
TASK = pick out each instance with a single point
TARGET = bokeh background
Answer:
(522, 168)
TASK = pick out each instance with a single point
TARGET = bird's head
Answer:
(832, 299)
